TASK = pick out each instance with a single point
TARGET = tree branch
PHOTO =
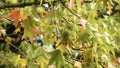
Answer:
(72, 57)
(69, 62)
(36, 2)
(67, 21)
(77, 49)
(70, 10)
(6, 18)
(17, 49)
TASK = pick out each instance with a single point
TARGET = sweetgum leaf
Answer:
(56, 58)
(30, 29)
(17, 15)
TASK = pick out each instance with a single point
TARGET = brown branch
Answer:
(6, 18)
(70, 10)
(87, 1)
(67, 21)
(72, 57)
(69, 62)
(36, 2)
(17, 49)
(77, 49)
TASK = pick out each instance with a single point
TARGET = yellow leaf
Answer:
(22, 63)
(78, 64)
(43, 62)
(54, 39)
(81, 52)
(81, 28)
(110, 7)
(16, 30)
(72, 43)
(95, 15)
(14, 1)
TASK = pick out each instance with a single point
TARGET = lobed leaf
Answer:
(17, 15)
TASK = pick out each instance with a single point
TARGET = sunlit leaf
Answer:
(78, 64)
(71, 3)
(17, 15)
(14, 1)
(110, 7)
(54, 39)
(92, 26)
(118, 1)
(23, 63)
(17, 30)
(78, 3)
(43, 62)
(15, 59)
(3, 32)
(29, 28)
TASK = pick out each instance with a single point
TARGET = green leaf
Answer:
(117, 7)
(78, 3)
(39, 52)
(29, 52)
(56, 58)
(15, 59)
(30, 28)
(83, 36)
(118, 1)
(86, 57)
(112, 49)
(32, 65)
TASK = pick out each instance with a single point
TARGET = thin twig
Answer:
(7, 60)
(69, 62)
(77, 49)
(87, 1)
(74, 59)
(70, 54)
(6, 18)
(67, 21)
(20, 4)
(17, 49)
(9, 19)
(70, 10)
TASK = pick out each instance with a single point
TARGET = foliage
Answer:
(75, 33)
